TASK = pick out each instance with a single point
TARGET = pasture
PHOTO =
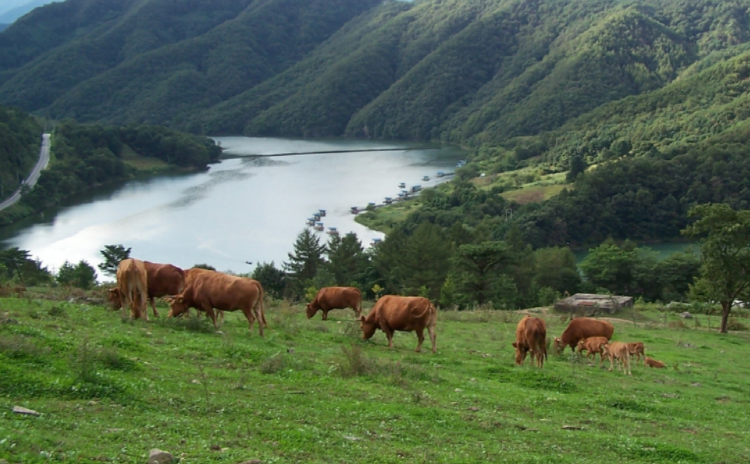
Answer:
(109, 390)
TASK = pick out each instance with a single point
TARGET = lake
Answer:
(248, 208)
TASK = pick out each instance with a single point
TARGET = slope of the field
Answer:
(312, 391)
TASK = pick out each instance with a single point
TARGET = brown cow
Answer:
(619, 351)
(162, 280)
(592, 346)
(329, 298)
(132, 285)
(637, 349)
(531, 335)
(206, 290)
(653, 362)
(582, 327)
(401, 313)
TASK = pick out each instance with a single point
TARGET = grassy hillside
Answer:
(312, 391)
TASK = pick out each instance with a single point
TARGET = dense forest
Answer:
(20, 141)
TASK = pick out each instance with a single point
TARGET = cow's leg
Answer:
(325, 314)
(626, 364)
(389, 334)
(433, 337)
(209, 310)
(259, 316)
(420, 337)
(611, 361)
(153, 306)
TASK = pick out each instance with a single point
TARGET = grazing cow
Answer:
(401, 313)
(329, 298)
(206, 290)
(620, 352)
(653, 363)
(531, 335)
(637, 349)
(582, 327)
(162, 280)
(132, 287)
(592, 346)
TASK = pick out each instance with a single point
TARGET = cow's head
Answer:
(177, 305)
(368, 327)
(581, 342)
(114, 297)
(605, 351)
(559, 345)
(311, 309)
(520, 353)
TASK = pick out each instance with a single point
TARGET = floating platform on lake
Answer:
(322, 212)
(319, 226)
(402, 185)
(375, 241)
(355, 210)
(416, 188)
(332, 231)
(440, 174)
(425, 178)
(316, 216)
(388, 200)
(310, 221)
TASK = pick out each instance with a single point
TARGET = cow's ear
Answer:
(361, 318)
(180, 299)
(515, 344)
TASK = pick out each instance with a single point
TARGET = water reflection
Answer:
(243, 209)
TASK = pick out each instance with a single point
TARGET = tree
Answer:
(555, 268)
(82, 275)
(204, 266)
(425, 260)
(725, 254)
(480, 267)
(305, 261)
(13, 259)
(113, 254)
(611, 267)
(271, 278)
(346, 259)
(577, 166)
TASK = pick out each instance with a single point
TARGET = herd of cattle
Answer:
(206, 290)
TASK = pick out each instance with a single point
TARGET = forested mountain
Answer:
(470, 72)
(20, 141)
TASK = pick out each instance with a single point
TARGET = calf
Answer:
(132, 287)
(531, 336)
(401, 313)
(637, 349)
(619, 351)
(653, 363)
(593, 346)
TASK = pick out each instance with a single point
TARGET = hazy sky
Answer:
(10, 10)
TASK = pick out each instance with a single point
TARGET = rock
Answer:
(458, 390)
(474, 408)
(352, 438)
(25, 411)
(686, 315)
(157, 456)
(252, 461)
(571, 427)
(196, 381)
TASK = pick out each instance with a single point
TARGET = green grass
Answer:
(143, 163)
(384, 219)
(534, 193)
(312, 391)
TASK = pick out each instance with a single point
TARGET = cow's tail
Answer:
(262, 310)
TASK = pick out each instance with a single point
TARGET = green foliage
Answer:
(725, 249)
(204, 266)
(81, 275)
(271, 278)
(346, 259)
(113, 254)
(20, 139)
(304, 262)
(479, 268)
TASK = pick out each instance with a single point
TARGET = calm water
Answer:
(240, 210)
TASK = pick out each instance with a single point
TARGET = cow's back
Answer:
(222, 291)
(338, 297)
(584, 327)
(535, 334)
(164, 279)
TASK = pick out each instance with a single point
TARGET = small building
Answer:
(332, 231)
(310, 221)
(319, 226)
(402, 185)
(355, 210)
(375, 241)
(388, 200)
(425, 178)
(321, 212)
(590, 303)
(440, 173)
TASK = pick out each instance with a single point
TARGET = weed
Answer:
(22, 348)
(734, 324)
(110, 358)
(57, 311)
(273, 364)
(677, 325)
(354, 362)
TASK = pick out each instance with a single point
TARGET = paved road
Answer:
(34, 176)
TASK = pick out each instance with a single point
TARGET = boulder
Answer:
(157, 456)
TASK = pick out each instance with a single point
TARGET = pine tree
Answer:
(113, 254)
(305, 261)
(346, 259)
